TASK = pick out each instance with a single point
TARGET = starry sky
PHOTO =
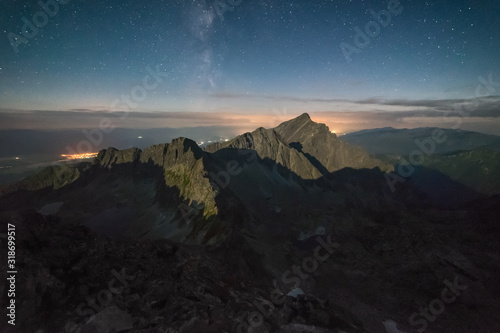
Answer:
(241, 57)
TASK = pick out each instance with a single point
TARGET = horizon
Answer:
(40, 142)
(483, 120)
(26, 151)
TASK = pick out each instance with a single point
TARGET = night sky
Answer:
(251, 58)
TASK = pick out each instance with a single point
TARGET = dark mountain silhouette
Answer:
(316, 140)
(301, 137)
(291, 223)
(267, 143)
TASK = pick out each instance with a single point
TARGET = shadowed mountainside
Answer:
(258, 223)
(301, 137)
(467, 158)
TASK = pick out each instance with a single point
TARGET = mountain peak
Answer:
(296, 129)
(185, 144)
(299, 122)
(303, 118)
(315, 139)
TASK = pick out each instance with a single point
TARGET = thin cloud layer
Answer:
(341, 115)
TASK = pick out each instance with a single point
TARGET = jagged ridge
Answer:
(269, 144)
(305, 147)
(319, 144)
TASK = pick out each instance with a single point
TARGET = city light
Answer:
(80, 156)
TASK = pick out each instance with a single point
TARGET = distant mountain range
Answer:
(388, 140)
(292, 222)
(468, 158)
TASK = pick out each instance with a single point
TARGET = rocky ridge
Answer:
(383, 256)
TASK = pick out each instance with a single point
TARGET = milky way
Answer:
(84, 55)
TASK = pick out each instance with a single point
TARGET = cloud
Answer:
(481, 107)
(70, 119)
(342, 115)
(488, 106)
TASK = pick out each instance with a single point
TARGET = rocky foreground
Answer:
(72, 280)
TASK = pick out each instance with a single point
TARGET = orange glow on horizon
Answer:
(80, 156)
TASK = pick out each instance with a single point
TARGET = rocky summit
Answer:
(288, 229)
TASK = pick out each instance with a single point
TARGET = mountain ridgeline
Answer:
(305, 147)
(463, 163)
(197, 183)
(207, 237)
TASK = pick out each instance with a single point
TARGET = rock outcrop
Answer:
(304, 147)
(325, 148)
(270, 145)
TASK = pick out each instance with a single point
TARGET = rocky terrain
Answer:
(288, 229)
